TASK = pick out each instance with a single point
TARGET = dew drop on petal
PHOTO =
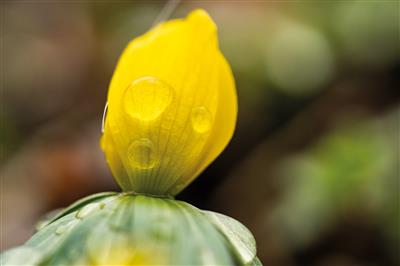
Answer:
(141, 154)
(61, 229)
(86, 210)
(146, 98)
(65, 227)
(106, 202)
(41, 224)
(201, 119)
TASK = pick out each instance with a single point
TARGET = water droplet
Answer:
(65, 227)
(86, 210)
(61, 229)
(141, 153)
(41, 224)
(201, 119)
(147, 97)
(106, 202)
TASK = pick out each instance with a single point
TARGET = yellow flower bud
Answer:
(172, 107)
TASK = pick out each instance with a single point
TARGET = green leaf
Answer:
(80, 203)
(209, 244)
(22, 255)
(50, 236)
(53, 234)
(128, 229)
(45, 219)
(237, 234)
(72, 246)
(255, 262)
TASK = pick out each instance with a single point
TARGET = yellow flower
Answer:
(172, 107)
(119, 255)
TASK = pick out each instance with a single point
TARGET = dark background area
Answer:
(313, 167)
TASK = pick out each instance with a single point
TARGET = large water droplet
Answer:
(147, 97)
(86, 210)
(201, 119)
(141, 153)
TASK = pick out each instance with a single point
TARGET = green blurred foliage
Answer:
(349, 170)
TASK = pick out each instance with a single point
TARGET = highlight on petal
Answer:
(22, 255)
(119, 249)
(238, 235)
(172, 107)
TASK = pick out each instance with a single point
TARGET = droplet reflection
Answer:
(141, 153)
(201, 119)
(147, 97)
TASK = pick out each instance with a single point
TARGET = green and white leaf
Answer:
(82, 202)
(238, 235)
(256, 262)
(135, 229)
(22, 255)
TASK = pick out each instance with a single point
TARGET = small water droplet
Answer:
(201, 119)
(61, 229)
(106, 202)
(147, 97)
(86, 210)
(65, 227)
(141, 153)
(41, 224)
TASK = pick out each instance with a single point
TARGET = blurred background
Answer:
(313, 168)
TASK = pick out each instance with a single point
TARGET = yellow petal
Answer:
(171, 107)
(122, 254)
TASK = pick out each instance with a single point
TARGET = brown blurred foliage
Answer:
(313, 168)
